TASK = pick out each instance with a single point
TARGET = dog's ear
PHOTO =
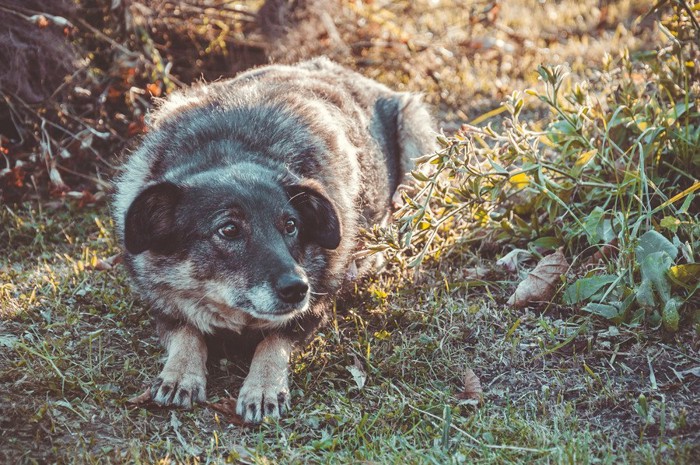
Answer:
(320, 222)
(150, 220)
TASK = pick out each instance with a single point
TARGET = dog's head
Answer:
(243, 236)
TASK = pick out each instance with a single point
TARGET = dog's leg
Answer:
(265, 391)
(183, 379)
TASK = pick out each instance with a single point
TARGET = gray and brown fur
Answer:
(296, 159)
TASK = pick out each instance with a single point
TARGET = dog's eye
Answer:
(290, 227)
(229, 231)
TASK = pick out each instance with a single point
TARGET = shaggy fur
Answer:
(241, 210)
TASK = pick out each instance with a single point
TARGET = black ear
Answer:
(320, 222)
(150, 221)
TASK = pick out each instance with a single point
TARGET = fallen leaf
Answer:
(115, 259)
(472, 386)
(478, 272)
(142, 399)
(9, 341)
(84, 198)
(102, 265)
(514, 259)
(358, 373)
(695, 371)
(154, 89)
(227, 407)
(542, 282)
(56, 179)
(136, 127)
(41, 21)
(108, 263)
(16, 176)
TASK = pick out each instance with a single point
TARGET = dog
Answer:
(241, 209)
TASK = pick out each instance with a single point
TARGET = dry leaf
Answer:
(358, 373)
(154, 89)
(478, 272)
(695, 371)
(84, 198)
(472, 387)
(227, 407)
(107, 263)
(56, 179)
(102, 265)
(142, 399)
(514, 259)
(42, 22)
(542, 282)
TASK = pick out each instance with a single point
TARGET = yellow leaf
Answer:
(677, 197)
(687, 274)
(490, 114)
(585, 157)
(520, 180)
(382, 335)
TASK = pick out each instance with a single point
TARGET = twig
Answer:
(106, 185)
(109, 40)
(45, 121)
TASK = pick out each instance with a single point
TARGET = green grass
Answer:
(76, 345)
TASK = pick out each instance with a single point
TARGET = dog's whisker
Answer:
(298, 194)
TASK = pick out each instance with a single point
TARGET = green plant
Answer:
(612, 178)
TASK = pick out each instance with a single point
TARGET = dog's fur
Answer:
(241, 210)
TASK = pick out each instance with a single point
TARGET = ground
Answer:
(395, 377)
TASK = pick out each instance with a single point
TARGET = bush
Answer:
(612, 179)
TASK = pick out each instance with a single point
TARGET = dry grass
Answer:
(468, 56)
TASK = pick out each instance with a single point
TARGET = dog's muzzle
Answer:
(291, 288)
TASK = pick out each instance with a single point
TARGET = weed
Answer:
(612, 178)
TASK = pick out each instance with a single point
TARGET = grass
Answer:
(386, 380)
(76, 345)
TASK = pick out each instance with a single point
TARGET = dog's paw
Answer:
(263, 397)
(179, 389)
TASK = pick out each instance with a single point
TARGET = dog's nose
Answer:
(292, 288)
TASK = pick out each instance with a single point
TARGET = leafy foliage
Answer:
(612, 178)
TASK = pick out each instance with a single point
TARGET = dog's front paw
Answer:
(179, 389)
(263, 396)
